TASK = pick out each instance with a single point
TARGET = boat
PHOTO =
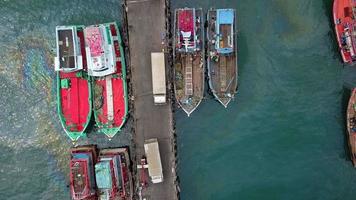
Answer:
(188, 55)
(222, 54)
(82, 177)
(106, 65)
(113, 175)
(344, 13)
(351, 125)
(73, 84)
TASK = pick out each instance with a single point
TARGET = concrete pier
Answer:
(146, 28)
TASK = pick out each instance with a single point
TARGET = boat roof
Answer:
(225, 16)
(101, 55)
(225, 30)
(94, 40)
(103, 175)
(68, 54)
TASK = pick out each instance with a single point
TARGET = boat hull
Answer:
(110, 92)
(344, 25)
(351, 125)
(222, 68)
(74, 98)
(189, 64)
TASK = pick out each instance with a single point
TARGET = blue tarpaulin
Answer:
(103, 175)
(226, 16)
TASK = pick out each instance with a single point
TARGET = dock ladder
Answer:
(223, 69)
(188, 77)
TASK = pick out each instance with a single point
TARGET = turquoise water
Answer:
(283, 137)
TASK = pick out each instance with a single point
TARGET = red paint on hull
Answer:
(344, 28)
(82, 178)
(75, 102)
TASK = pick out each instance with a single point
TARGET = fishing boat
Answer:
(351, 125)
(106, 64)
(188, 54)
(73, 84)
(113, 175)
(344, 12)
(222, 54)
(82, 177)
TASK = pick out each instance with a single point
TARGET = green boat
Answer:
(106, 65)
(73, 84)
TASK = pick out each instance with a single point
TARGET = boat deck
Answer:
(189, 73)
(225, 31)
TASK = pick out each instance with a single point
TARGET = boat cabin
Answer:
(100, 50)
(224, 31)
(186, 22)
(69, 57)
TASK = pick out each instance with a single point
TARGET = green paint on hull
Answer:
(103, 128)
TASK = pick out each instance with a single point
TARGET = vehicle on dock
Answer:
(222, 54)
(106, 64)
(73, 84)
(82, 178)
(188, 55)
(154, 160)
(113, 175)
(351, 125)
(158, 78)
(344, 12)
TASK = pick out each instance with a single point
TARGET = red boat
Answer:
(344, 12)
(73, 84)
(106, 63)
(113, 176)
(82, 178)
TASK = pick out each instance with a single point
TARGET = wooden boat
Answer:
(344, 12)
(82, 180)
(73, 84)
(106, 63)
(222, 54)
(113, 175)
(188, 54)
(351, 125)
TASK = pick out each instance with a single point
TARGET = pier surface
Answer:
(146, 24)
